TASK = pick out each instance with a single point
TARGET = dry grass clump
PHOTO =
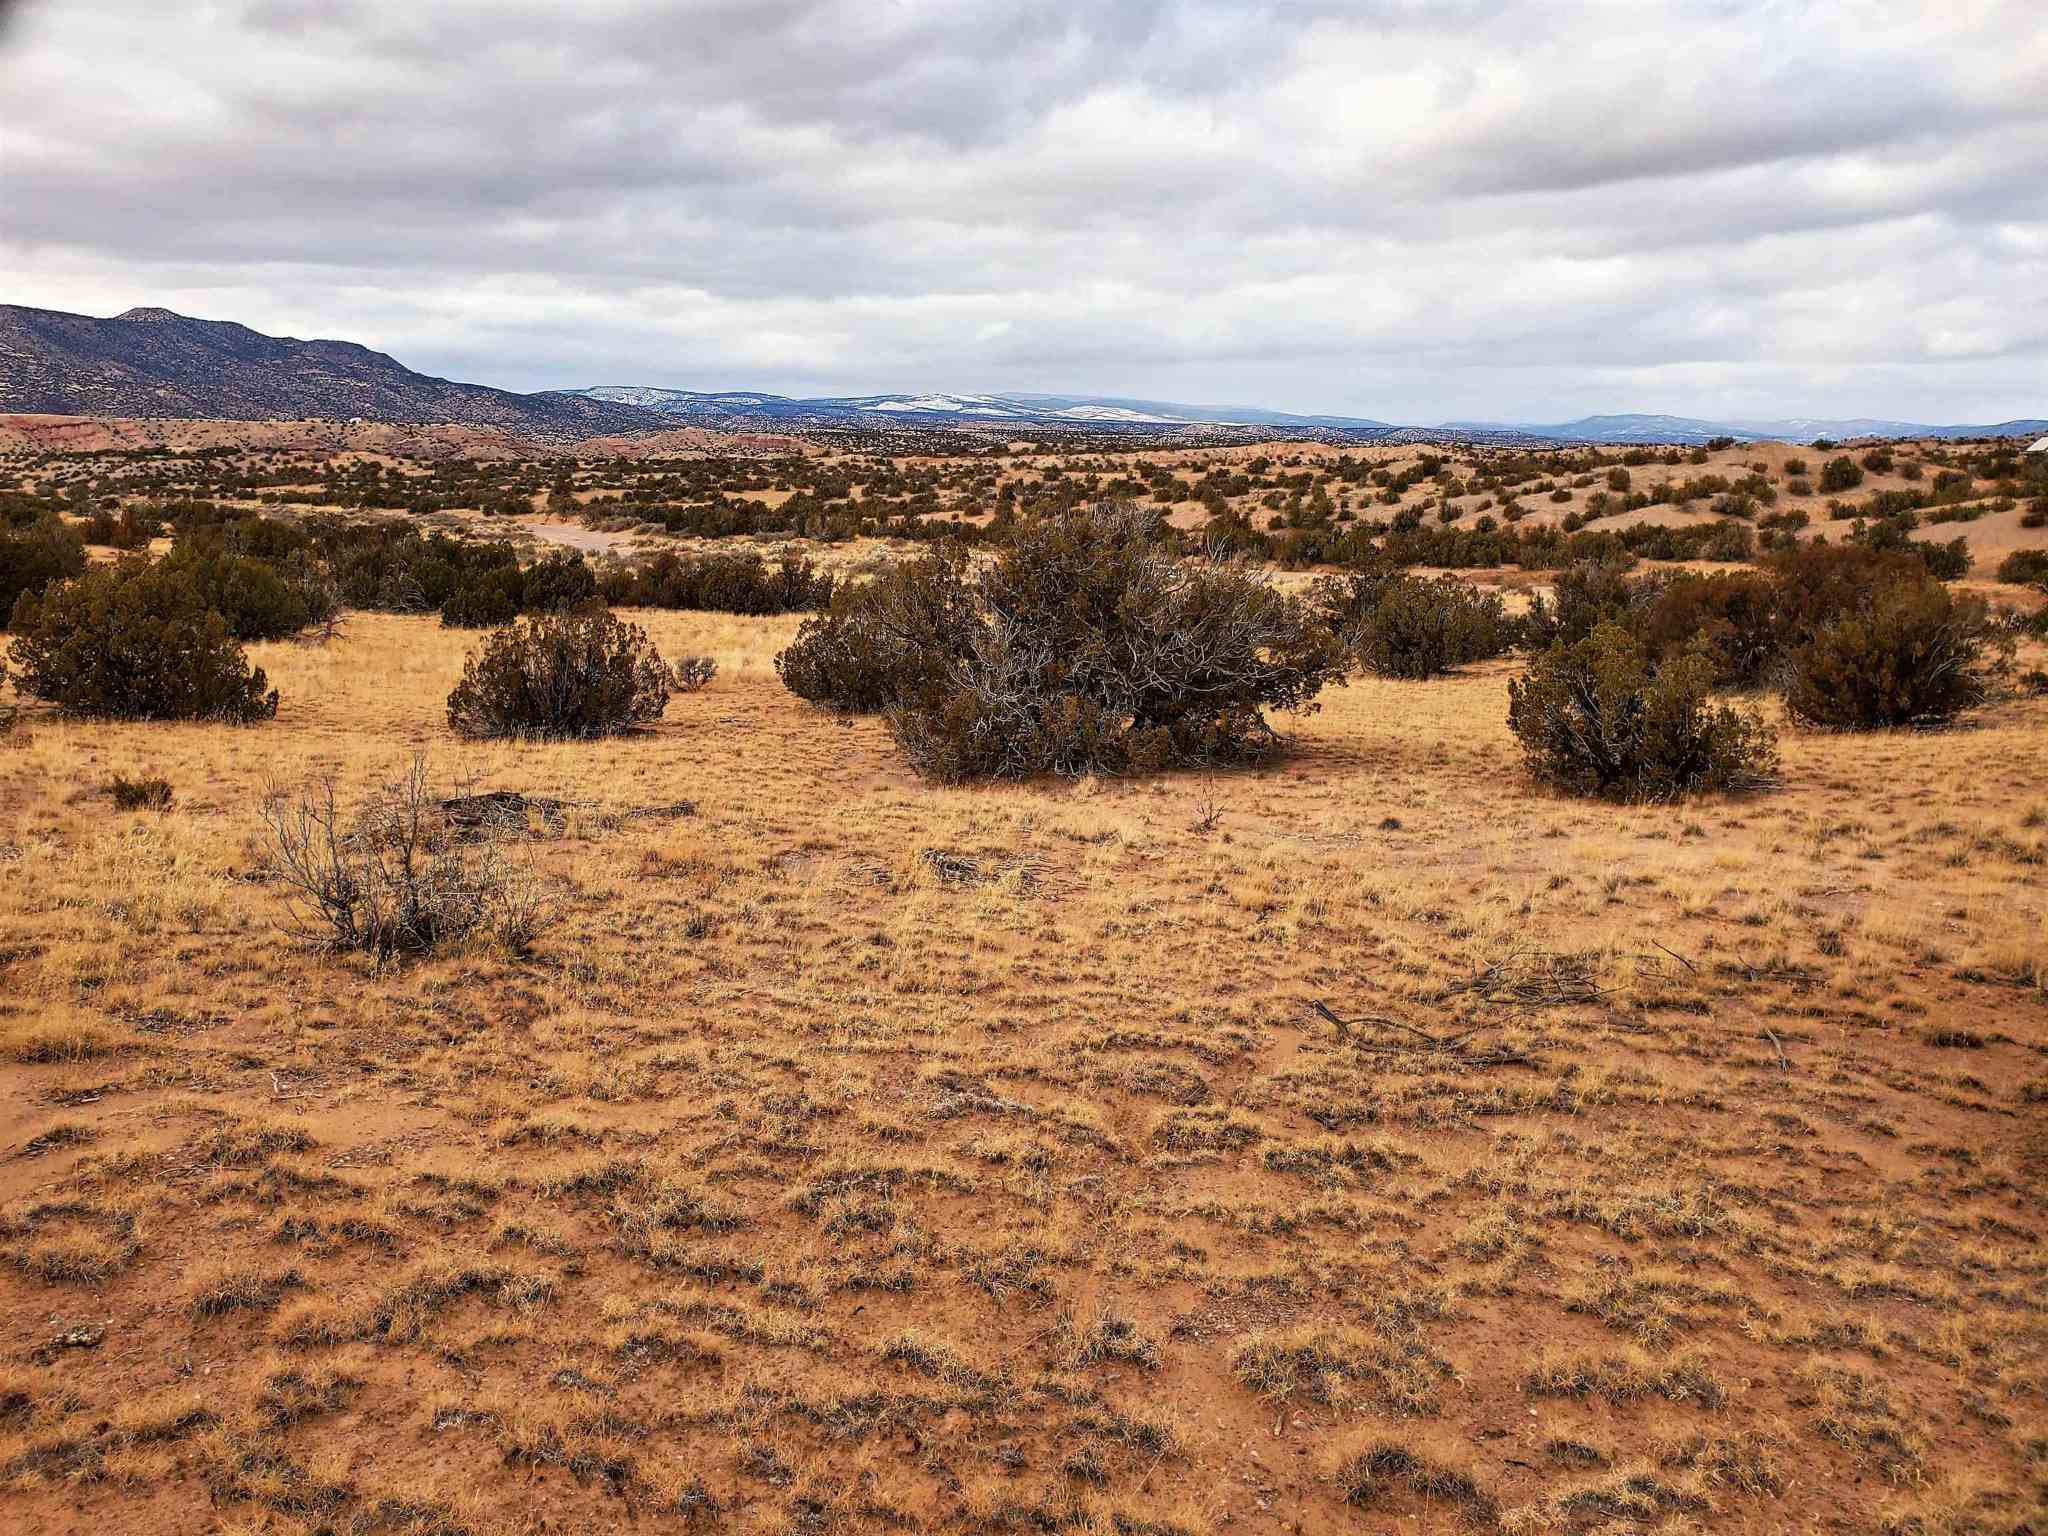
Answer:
(1340, 1367)
(71, 1242)
(61, 1035)
(1377, 1469)
(1853, 1407)
(143, 793)
(230, 1286)
(1109, 1338)
(1687, 1377)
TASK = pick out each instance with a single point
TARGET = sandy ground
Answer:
(859, 1155)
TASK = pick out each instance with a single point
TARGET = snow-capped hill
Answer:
(939, 406)
(1802, 429)
(1112, 413)
(1641, 427)
(672, 399)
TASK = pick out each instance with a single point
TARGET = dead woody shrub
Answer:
(395, 877)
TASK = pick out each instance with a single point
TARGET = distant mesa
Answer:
(1646, 429)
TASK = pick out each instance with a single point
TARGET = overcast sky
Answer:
(1389, 208)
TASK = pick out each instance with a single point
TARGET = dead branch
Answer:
(1674, 954)
(1424, 1044)
(1770, 973)
(1531, 978)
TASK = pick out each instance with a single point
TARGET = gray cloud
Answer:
(1395, 208)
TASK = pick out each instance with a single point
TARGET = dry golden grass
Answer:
(798, 1181)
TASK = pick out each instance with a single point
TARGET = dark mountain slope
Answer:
(152, 362)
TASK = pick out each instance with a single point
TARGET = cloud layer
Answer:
(1390, 208)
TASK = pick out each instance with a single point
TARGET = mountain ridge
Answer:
(942, 406)
(150, 361)
(155, 362)
(1107, 410)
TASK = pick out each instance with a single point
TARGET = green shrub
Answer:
(1818, 582)
(1894, 535)
(488, 588)
(1731, 617)
(1594, 719)
(484, 599)
(2025, 567)
(1583, 597)
(1910, 653)
(719, 583)
(32, 557)
(1729, 541)
(1404, 626)
(1098, 650)
(1839, 475)
(393, 568)
(131, 529)
(260, 599)
(557, 583)
(569, 676)
(135, 641)
(880, 643)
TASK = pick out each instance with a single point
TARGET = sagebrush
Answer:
(568, 676)
(1911, 653)
(1396, 625)
(1086, 646)
(1595, 718)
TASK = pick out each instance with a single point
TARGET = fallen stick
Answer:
(1674, 954)
(1432, 1045)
